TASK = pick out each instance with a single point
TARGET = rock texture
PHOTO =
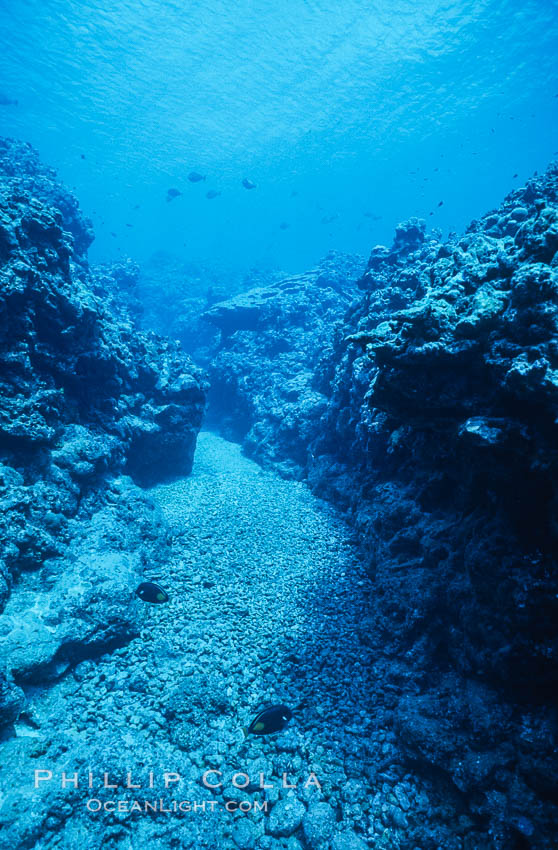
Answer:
(85, 401)
(261, 374)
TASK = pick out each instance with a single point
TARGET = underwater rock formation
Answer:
(261, 375)
(28, 177)
(439, 439)
(191, 289)
(84, 397)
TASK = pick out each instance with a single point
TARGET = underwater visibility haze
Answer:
(347, 116)
(278, 425)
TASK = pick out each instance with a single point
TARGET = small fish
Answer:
(284, 225)
(373, 216)
(272, 719)
(7, 101)
(194, 177)
(172, 194)
(148, 591)
(112, 233)
(136, 206)
(294, 193)
(212, 194)
(514, 176)
(129, 225)
(327, 219)
(441, 204)
(248, 184)
(82, 155)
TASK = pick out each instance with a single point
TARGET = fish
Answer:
(441, 204)
(194, 177)
(148, 591)
(82, 155)
(327, 219)
(373, 216)
(514, 176)
(271, 719)
(129, 225)
(284, 225)
(248, 184)
(172, 194)
(212, 194)
(7, 101)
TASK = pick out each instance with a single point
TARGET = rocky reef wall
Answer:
(440, 441)
(89, 408)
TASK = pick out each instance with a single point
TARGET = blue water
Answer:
(349, 116)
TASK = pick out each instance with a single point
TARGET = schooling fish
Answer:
(148, 591)
(172, 194)
(248, 184)
(212, 194)
(194, 177)
(272, 719)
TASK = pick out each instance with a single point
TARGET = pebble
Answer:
(348, 841)
(244, 834)
(286, 816)
(318, 824)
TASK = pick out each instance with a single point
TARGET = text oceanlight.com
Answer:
(95, 806)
